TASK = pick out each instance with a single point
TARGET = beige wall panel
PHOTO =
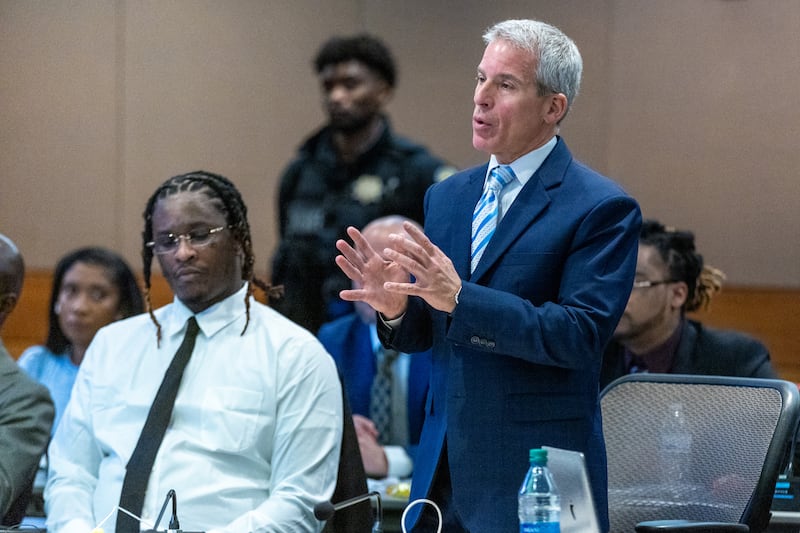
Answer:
(58, 148)
(221, 86)
(705, 126)
(693, 106)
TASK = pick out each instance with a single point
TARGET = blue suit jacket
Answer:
(516, 366)
(348, 340)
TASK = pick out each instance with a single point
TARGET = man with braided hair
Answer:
(254, 436)
(654, 334)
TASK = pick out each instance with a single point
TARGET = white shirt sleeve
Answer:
(72, 477)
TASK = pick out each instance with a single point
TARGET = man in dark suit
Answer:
(353, 342)
(654, 334)
(26, 410)
(517, 332)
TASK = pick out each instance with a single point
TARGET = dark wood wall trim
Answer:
(771, 315)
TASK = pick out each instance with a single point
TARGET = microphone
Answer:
(174, 526)
(324, 510)
(173, 521)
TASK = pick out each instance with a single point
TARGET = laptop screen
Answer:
(577, 506)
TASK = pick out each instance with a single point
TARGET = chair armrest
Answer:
(687, 526)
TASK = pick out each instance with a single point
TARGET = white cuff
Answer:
(77, 526)
(393, 323)
(400, 464)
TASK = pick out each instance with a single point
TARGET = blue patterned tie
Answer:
(484, 219)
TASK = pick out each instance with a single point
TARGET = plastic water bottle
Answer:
(539, 505)
(676, 448)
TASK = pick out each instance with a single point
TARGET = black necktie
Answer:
(137, 472)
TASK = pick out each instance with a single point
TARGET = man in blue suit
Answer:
(518, 325)
(353, 342)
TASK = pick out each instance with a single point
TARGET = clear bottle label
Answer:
(679, 442)
(541, 527)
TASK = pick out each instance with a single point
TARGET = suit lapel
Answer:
(684, 355)
(532, 200)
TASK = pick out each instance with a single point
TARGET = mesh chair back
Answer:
(722, 468)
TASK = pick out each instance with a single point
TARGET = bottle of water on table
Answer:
(539, 505)
(676, 449)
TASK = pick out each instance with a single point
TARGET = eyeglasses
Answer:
(644, 284)
(199, 238)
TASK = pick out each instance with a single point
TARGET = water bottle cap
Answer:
(538, 456)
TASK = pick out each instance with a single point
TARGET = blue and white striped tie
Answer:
(484, 219)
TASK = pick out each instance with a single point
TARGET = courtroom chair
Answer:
(736, 433)
(786, 503)
(351, 481)
(16, 512)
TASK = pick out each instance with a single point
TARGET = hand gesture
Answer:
(435, 278)
(369, 272)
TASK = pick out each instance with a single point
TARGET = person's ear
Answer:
(679, 292)
(385, 93)
(7, 303)
(238, 252)
(556, 108)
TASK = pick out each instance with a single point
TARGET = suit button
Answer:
(490, 344)
(475, 339)
(484, 342)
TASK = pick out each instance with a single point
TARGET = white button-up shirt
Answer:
(255, 434)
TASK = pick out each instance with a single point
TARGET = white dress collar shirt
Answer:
(255, 434)
(524, 167)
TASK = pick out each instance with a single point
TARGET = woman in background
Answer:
(92, 287)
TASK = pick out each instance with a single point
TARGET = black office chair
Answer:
(719, 475)
(16, 511)
(351, 481)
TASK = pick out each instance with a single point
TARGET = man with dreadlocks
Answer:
(654, 334)
(255, 430)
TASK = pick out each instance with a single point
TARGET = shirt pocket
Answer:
(110, 413)
(231, 417)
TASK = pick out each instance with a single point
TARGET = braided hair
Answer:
(221, 190)
(676, 248)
